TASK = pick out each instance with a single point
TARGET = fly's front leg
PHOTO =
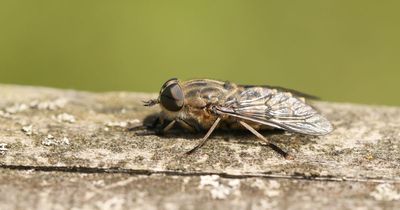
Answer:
(156, 122)
(160, 130)
(265, 141)
(147, 126)
(188, 126)
(157, 127)
(205, 138)
(168, 127)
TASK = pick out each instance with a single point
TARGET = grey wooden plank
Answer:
(60, 190)
(37, 126)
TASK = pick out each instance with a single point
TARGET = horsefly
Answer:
(204, 104)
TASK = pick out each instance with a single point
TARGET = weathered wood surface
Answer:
(67, 149)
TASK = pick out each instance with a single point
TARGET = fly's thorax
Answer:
(201, 93)
(193, 100)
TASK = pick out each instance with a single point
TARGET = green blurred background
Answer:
(340, 50)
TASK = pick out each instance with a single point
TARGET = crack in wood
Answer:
(135, 172)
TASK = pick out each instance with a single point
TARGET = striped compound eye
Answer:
(171, 97)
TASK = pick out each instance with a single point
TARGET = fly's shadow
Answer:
(152, 126)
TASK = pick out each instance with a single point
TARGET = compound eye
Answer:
(172, 97)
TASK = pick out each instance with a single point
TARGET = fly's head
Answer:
(171, 98)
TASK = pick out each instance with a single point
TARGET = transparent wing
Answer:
(282, 89)
(277, 109)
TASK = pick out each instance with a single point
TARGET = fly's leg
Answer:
(156, 127)
(168, 127)
(156, 122)
(161, 131)
(188, 126)
(204, 139)
(152, 125)
(160, 121)
(145, 127)
(264, 140)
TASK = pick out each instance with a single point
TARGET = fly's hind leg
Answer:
(265, 141)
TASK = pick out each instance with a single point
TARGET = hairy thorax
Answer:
(200, 97)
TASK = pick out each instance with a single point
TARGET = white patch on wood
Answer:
(217, 189)
(64, 117)
(27, 130)
(385, 192)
